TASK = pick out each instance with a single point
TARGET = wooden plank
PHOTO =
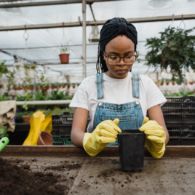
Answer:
(70, 150)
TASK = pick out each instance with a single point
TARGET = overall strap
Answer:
(99, 84)
(135, 85)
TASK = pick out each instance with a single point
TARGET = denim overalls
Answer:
(130, 114)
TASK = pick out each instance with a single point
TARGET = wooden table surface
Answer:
(174, 174)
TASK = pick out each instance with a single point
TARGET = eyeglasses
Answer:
(114, 58)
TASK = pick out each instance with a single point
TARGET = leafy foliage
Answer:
(3, 69)
(174, 50)
(59, 95)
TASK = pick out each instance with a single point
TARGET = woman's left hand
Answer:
(155, 137)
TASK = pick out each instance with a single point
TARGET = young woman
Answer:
(116, 99)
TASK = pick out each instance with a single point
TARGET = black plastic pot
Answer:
(131, 150)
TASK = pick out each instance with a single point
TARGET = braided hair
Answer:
(111, 29)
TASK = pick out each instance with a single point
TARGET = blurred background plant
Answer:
(173, 51)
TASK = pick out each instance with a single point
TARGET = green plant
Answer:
(11, 79)
(174, 50)
(3, 69)
(64, 50)
(182, 93)
(64, 56)
(4, 97)
(58, 111)
(28, 70)
(27, 96)
(40, 95)
(59, 95)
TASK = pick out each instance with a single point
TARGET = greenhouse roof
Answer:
(35, 31)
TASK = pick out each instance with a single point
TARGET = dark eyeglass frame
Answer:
(127, 58)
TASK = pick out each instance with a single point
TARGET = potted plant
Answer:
(173, 51)
(64, 56)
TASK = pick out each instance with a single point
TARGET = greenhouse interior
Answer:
(48, 52)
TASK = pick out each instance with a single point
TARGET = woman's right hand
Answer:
(105, 132)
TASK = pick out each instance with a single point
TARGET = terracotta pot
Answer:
(45, 138)
(26, 119)
(64, 58)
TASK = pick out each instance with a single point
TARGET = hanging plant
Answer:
(174, 50)
(64, 56)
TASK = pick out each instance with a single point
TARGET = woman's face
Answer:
(119, 56)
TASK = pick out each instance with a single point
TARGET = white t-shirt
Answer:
(117, 91)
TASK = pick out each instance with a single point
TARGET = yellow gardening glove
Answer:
(38, 123)
(155, 137)
(106, 132)
(47, 124)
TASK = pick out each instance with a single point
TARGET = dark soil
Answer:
(101, 175)
(20, 180)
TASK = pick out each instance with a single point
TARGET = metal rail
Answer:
(84, 35)
(47, 3)
(98, 22)
(45, 102)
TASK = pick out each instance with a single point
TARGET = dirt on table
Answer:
(18, 178)
(100, 176)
